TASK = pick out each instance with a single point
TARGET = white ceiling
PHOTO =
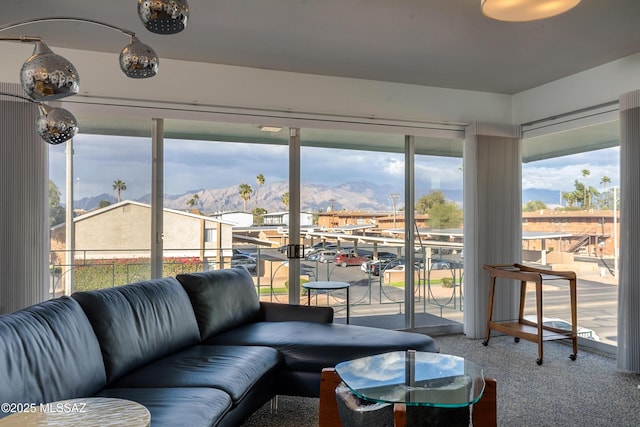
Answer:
(443, 43)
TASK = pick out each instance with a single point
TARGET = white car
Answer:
(327, 255)
(563, 324)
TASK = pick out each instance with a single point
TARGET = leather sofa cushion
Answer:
(138, 323)
(308, 346)
(234, 369)
(221, 299)
(48, 352)
(171, 407)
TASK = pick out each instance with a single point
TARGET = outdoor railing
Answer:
(96, 269)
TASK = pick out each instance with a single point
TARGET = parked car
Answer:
(399, 267)
(382, 266)
(346, 259)
(439, 264)
(373, 266)
(239, 252)
(244, 259)
(327, 255)
(564, 325)
(283, 249)
(323, 245)
(313, 252)
(387, 255)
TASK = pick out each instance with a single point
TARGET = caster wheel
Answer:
(573, 357)
(539, 361)
(516, 340)
(485, 343)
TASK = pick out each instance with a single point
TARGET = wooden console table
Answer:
(525, 329)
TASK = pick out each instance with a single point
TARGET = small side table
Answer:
(84, 411)
(327, 286)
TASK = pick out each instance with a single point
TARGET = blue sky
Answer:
(193, 165)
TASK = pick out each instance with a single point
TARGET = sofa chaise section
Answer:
(229, 313)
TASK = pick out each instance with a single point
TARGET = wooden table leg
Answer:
(328, 407)
(484, 412)
(539, 316)
(574, 317)
(400, 415)
(492, 288)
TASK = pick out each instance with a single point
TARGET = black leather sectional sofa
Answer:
(198, 350)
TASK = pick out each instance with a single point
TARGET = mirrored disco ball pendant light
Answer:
(138, 60)
(54, 125)
(47, 76)
(164, 16)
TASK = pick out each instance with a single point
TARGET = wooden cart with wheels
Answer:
(523, 328)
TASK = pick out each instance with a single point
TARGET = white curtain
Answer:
(492, 219)
(629, 286)
(24, 204)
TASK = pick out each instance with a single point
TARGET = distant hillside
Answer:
(362, 196)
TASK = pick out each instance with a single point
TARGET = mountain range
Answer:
(353, 196)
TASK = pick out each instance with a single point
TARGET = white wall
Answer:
(197, 85)
(224, 88)
(589, 88)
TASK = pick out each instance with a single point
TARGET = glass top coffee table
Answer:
(414, 378)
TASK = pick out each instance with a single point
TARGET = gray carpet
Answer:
(590, 391)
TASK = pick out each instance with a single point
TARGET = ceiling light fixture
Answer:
(164, 16)
(270, 128)
(54, 125)
(525, 10)
(47, 76)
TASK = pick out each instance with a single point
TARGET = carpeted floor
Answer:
(588, 392)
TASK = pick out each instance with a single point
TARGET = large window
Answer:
(226, 203)
(109, 190)
(576, 196)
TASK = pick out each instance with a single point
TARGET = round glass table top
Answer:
(325, 285)
(414, 378)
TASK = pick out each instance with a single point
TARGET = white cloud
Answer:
(192, 165)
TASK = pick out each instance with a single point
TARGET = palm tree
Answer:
(260, 181)
(569, 197)
(193, 201)
(285, 200)
(119, 186)
(585, 174)
(245, 194)
(604, 181)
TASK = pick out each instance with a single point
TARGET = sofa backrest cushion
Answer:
(138, 323)
(221, 299)
(48, 352)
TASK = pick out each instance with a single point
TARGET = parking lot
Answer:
(597, 297)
